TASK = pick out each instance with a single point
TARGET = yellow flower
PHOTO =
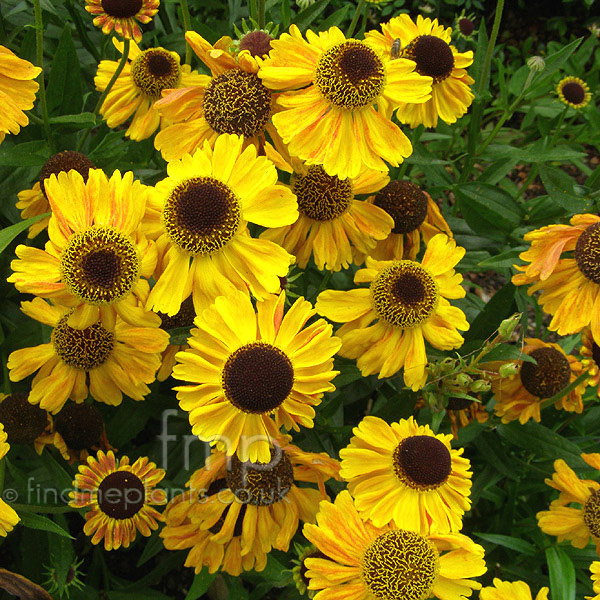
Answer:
(415, 216)
(111, 362)
(595, 576)
(365, 562)
(520, 396)
(97, 255)
(8, 517)
(428, 44)
(199, 214)
(573, 92)
(404, 473)
(121, 15)
(333, 224)
(569, 284)
(299, 570)
(17, 91)
(139, 86)
(254, 372)
(576, 525)
(34, 202)
(590, 362)
(503, 590)
(121, 497)
(329, 86)
(236, 512)
(408, 301)
(233, 100)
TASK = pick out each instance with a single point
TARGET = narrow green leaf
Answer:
(507, 352)
(305, 17)
(8, 234)
(508, 541)
(34, 521)
(504, 259)
(500, 306)
(81, 120)
(64, 84)
(561, 188)
(200, 584)
(561, 573)
(30, 154)
(286, 14)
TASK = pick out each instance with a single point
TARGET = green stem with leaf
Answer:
(105, 93)
(39, 46)
(480, 88)
(262, 19)
(187, 26)
(359, 10)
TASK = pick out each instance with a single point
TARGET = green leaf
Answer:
(64, 84)
(81, 120)
(305, 17)
(62, 555)
(507, 541)
(30, 154)
(507, 352)
(500, 306)
(504, 259)
(8, 234)
(200, 584)
(336, 18)
(34, 521)
(490, 208)
(286, 14)
(562, 574)
(541, 441)
(561, 188)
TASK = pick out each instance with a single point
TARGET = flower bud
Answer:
(508, 326)
(480, 386)
(536, 63)
(509, 369)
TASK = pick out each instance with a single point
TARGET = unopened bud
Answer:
(304, 3)
(463, 380)
(509, 369)
(536, 63)
(480, 386)
(508, 326)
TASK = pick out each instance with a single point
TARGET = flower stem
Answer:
(187, 25)
(39, 45)
(261, 14)
(482, 84)
(357, 13)
(108, 88)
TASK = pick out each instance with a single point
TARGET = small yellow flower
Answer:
(573, 92)
(503, 590)
(122, 15)
(121, 497)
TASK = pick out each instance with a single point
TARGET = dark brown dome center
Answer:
(433, 56)
(591, 514)
(257, 378)
(258, 43)
(550, 375)
(80, 425)
(405, 202)
(422, 461)
(121, 495)
(65, 161)
(573, 92)
(261, 484)
(122, 9)
(23, 422)
(587, 252)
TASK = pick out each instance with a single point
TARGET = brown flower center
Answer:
(258, 43)
(466, 26)
(591, 514)
(350, 75)
(23, 422)
(121, 495)
(400, 565)
(83, 349)
(550, 375)
(405, 202)
(122, 9)
(587, 252)
(184, 317)
(237, 102)
(202, 215)
(322, 197)
(261, 484)
(573, 92)
(65, 161)
(155, 70)
(80, 425)
(433, 56)
(99, 265)
(404, 294)
(257, 378)
(422, 462)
